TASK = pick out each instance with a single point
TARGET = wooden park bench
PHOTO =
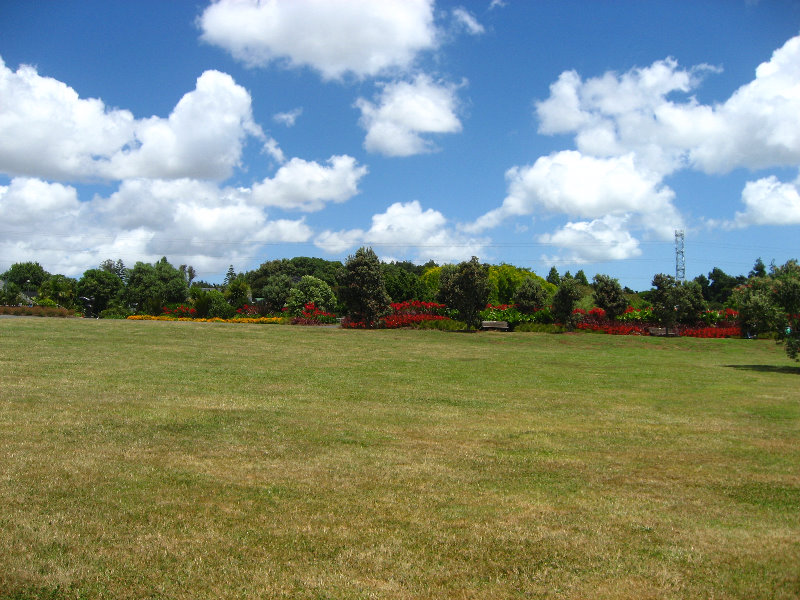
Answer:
(661, 332)
(494, 325)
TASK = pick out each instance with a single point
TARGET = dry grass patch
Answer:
(184, 460)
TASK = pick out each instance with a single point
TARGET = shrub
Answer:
(564, 303)
(362, 289)
(466, 289)
(530, 296)
(312, 315)
(310, 290)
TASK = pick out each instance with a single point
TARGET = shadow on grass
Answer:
(767, 368)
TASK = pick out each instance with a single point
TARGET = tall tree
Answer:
(530, 296)
(759, 269)
(465, 289)
(676, 302)
(150, 287)
(28, 276)
(553, 276)
(98, 288)
(609, 296)
(564, 301)
(118, 268)
(362, 289)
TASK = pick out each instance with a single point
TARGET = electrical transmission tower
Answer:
(680, 257)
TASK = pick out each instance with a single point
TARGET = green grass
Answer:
(183, 460)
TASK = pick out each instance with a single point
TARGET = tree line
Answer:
(362, 288)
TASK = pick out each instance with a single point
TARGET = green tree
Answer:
(118, 268)
(99, 288)
(720, 286)
(786, 293)
(564, 301)
(465, 288)
(60, 289)
(311, 289)
(27, 276)
(676, 302)
(362, 289)
(553, 276)
(275, 292)
(229, 276)
(237, 292)
(609, 296)
(758, 313)
(530, 296)
(150, 287)
(759, 269)
(580, 277)
(9, 294)
(188, 273)
(402, 283)
(430, 280)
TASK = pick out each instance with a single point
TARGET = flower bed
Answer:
(312, 315)
(36, 311)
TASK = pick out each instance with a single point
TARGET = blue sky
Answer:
(538, 133)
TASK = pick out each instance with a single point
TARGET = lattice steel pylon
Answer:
(680, 257)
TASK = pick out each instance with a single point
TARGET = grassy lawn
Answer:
(184, 460)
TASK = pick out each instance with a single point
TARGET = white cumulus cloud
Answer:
(598, 240)
(48, 131)
(403, 228)
(768, 201)
(307, 185)
(634, 129)
(334, 37)
(581, 186)
(404, 112)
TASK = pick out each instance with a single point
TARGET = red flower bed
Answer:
(613, 328)
(312, 315)
(417, 307)
(180, 312)
(712, 332)
(403, 320)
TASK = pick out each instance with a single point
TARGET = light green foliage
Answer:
(609, 296)
(310, 289)
(504, 280)
(564, 302)
(465, 288)
(362, 289)
(101, 287)
(430, 280)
